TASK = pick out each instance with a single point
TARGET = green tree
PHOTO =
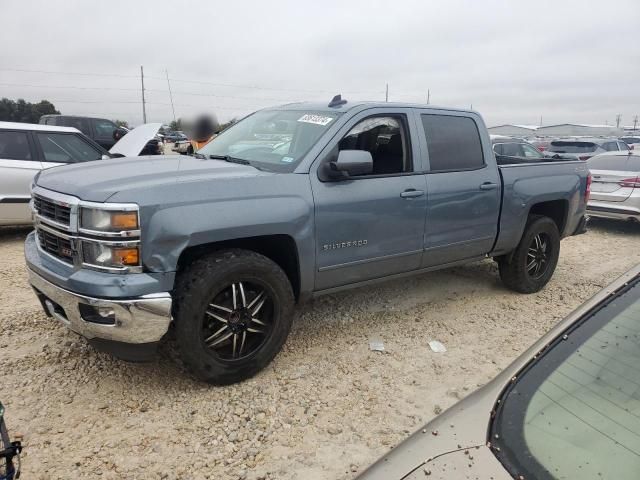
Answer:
(176, 125)
(25, 112)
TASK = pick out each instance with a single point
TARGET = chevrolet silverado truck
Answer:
(289, 203)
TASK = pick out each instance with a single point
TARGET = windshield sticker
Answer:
(315, 119)
(287, 159)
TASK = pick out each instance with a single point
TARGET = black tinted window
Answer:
(560, 146)
(76, 122)
(14, 146)
(386, 139)
(104, 128)
(66, 148)
(453, 142)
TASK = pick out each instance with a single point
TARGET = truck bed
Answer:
(523, 185)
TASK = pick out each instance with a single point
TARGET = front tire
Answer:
(233, 313)
(530, 267)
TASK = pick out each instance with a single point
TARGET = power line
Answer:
(68, 73)
(67, 88)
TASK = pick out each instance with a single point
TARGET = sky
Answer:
(513, 61)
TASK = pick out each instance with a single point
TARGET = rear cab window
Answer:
(562, 146)
(453, 143)
(76, 122)
(14, 145)
(575, 411)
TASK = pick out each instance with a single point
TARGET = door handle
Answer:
(412, 193)
(488, 186)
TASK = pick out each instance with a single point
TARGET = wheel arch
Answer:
(279, 248)
(556, 210)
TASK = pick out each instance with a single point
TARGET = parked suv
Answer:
(584, 148)
(25, 149)
(100, 130)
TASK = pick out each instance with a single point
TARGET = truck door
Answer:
(372, 225)
(463, 185)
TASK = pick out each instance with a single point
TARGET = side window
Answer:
(531, 152)
(66, 148)
(498, 148)
(512, 149)
(104, 128)
(453, 143)
(623, 146)
(75, 122)
(14, 146)
(385, 137)
(610, 146)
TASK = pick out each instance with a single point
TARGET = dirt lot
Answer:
(324, 409)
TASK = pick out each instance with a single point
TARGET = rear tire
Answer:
(531, 265)
(233, 313)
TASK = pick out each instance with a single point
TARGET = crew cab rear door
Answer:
(370, 226)
(463, 187)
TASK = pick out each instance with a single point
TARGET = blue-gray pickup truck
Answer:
(291, 202)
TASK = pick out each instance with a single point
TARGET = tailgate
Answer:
(608, 185)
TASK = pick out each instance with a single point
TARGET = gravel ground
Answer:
(324, 409)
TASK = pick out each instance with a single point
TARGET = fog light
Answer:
(100, 315)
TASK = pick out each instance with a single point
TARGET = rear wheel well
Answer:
(279, 248)
(556, 210)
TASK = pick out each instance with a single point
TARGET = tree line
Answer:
(25, 112)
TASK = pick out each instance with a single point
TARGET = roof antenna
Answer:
(337, 101)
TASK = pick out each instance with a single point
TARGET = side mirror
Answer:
(118, 133)
(351, 163)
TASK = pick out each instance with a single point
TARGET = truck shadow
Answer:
(14, 233)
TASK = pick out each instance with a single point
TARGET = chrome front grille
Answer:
(55, 211)
(55, 245)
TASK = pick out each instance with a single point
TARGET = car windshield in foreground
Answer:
(271, 139)
(575, 413)
(572, 147)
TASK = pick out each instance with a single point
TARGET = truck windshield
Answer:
(572, 147)
(271, 139)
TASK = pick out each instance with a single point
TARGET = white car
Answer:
(27, 148)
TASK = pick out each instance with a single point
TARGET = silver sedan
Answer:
(615, 188)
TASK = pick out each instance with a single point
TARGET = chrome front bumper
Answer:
(138, 320)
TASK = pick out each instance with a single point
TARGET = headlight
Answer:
(102, 220)
(111, 256)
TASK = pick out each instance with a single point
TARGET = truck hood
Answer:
(133, 142)
(98, 181)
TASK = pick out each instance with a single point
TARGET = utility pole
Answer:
(386, 95)
(635, 122)
(618, 118)
(428, 96)
(144, 107)
(170, 96)
(540, 120)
